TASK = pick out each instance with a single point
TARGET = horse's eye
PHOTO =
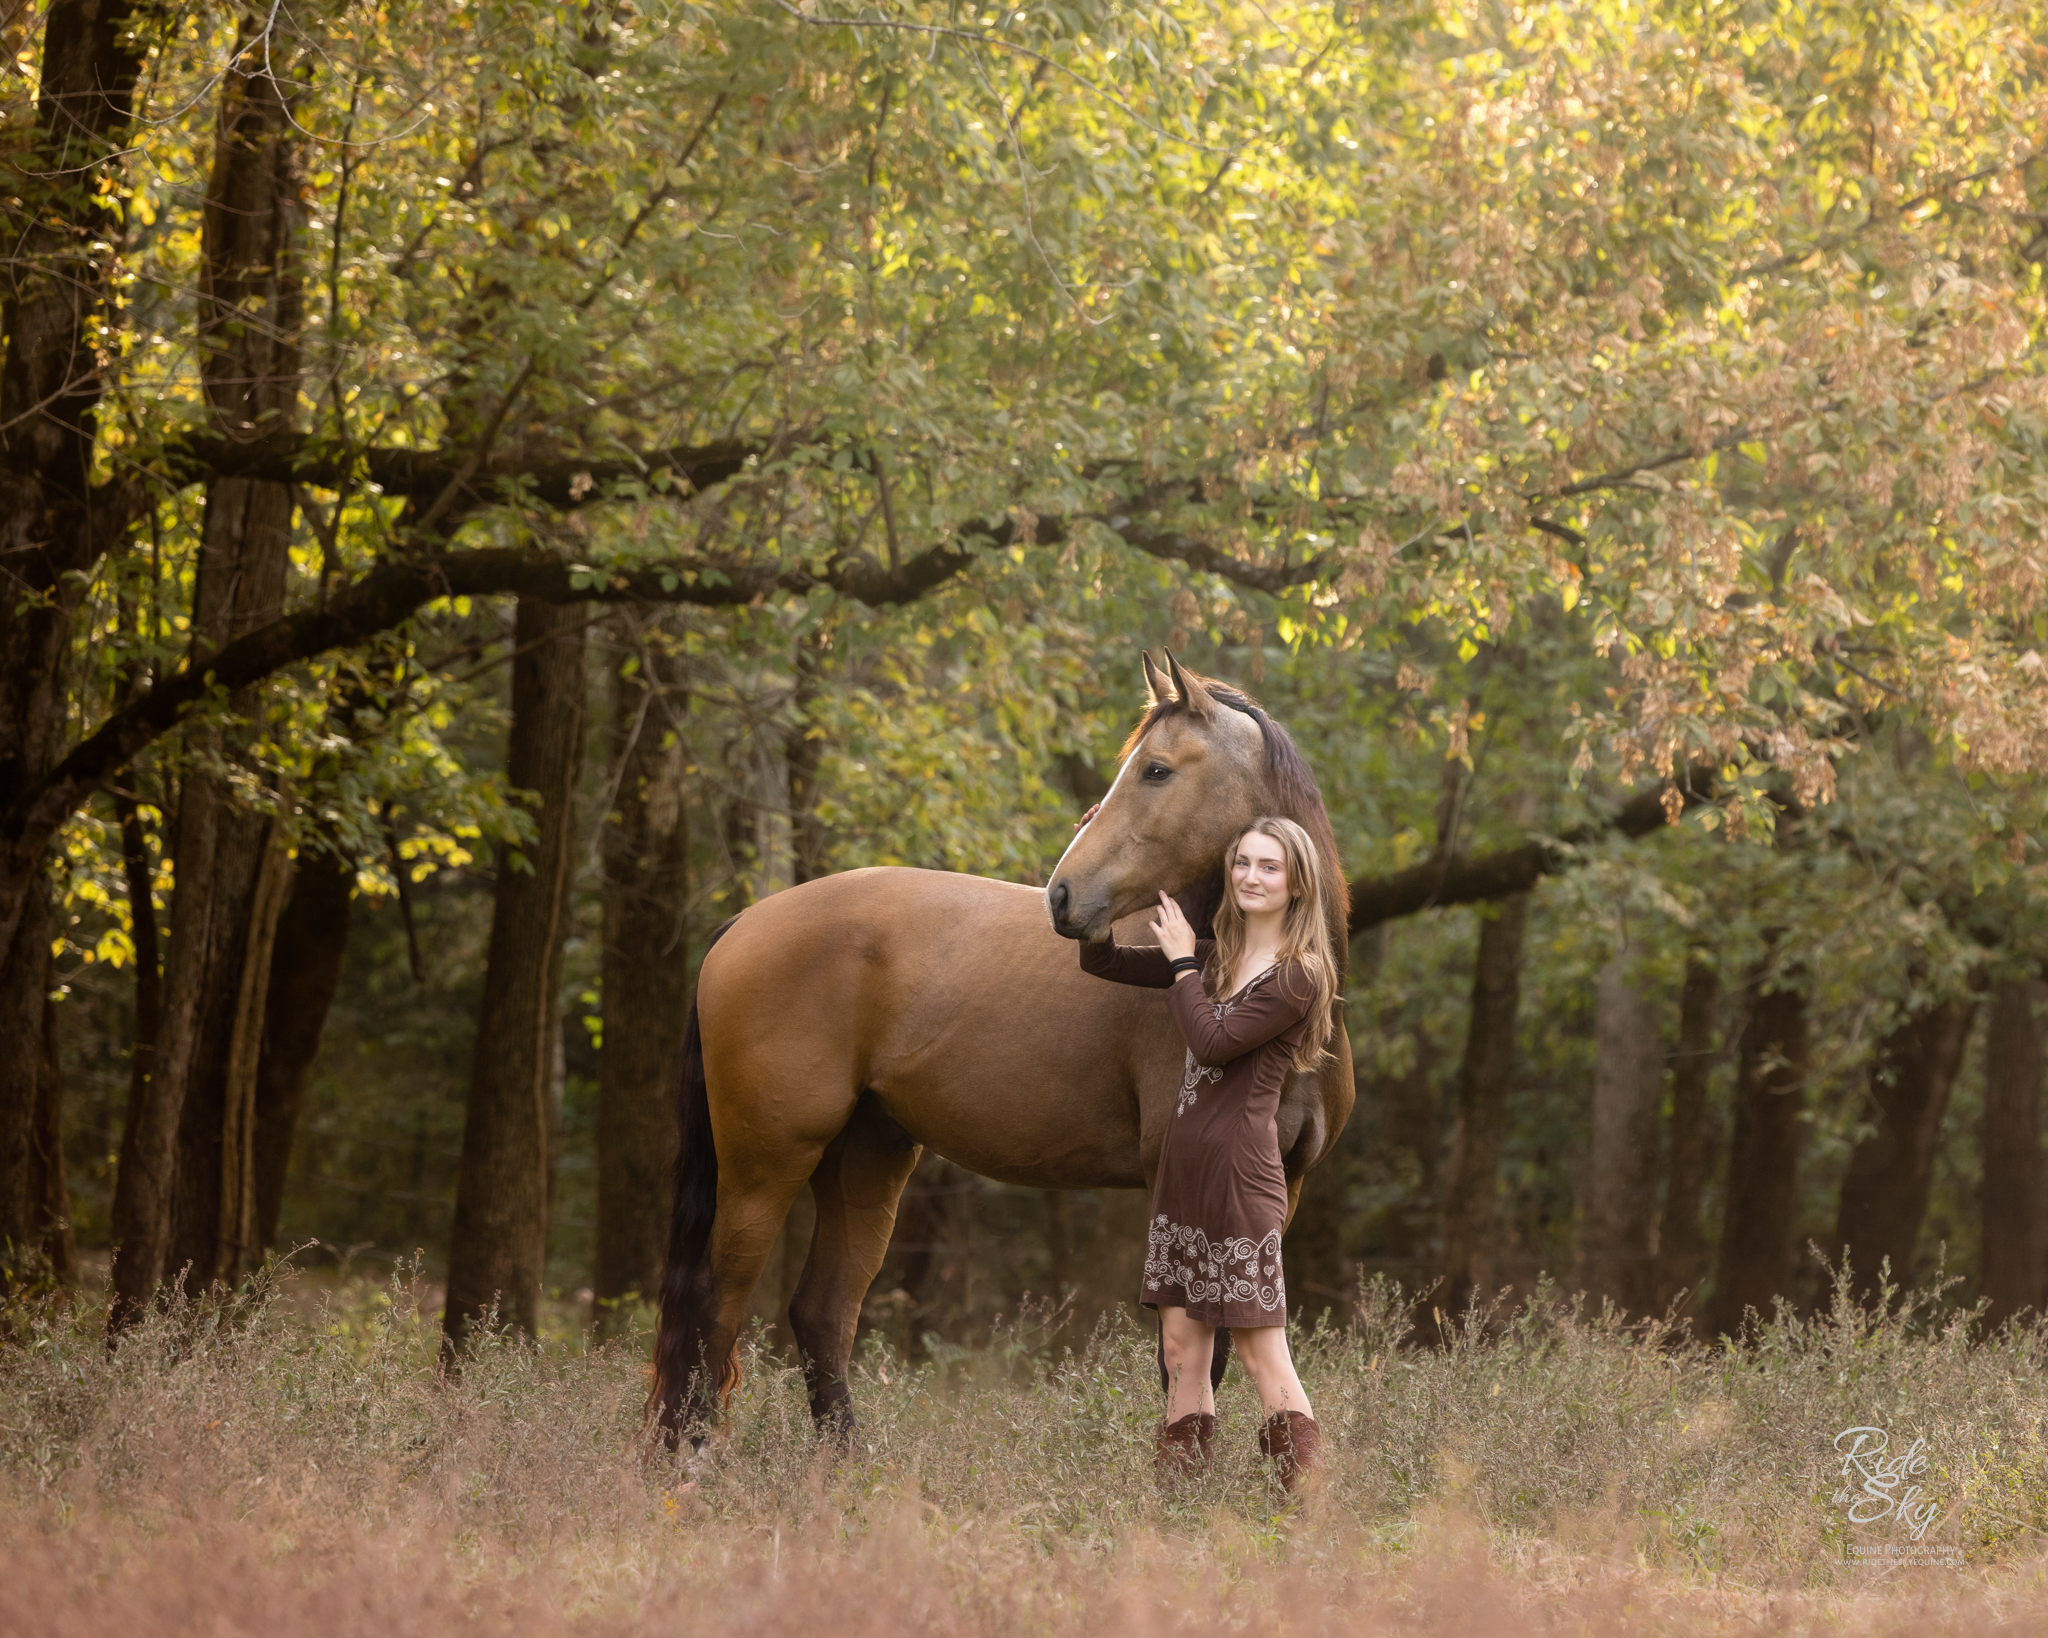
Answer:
(1157, 771)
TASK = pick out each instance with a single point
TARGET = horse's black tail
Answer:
(686, 1384)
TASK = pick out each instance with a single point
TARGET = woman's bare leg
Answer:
(1263, 1349)
(1189, 1345)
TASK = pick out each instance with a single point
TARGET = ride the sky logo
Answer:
(1879, 1483)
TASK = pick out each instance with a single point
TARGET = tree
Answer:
(2014, 1276)
(305, 969)
(50, 392)
(1484, 1079)
(1884, 1196)
(232, 874)
(498, 1254)
(1681, 1241)
(1754, 1265)
(1617, 1256)
(646, 962)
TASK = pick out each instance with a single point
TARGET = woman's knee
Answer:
(1186, 1340)
(1260, 1347)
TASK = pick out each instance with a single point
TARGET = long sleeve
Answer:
(1217, 1034)
(1142, 964)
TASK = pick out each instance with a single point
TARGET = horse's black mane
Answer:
(1300, 799)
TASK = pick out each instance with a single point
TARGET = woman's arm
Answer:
(1216, 1036)
(1142, 964)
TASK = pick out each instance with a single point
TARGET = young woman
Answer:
(1254, 1006)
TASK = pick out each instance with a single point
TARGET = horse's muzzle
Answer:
(1059, 905)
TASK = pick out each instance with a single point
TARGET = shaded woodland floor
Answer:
(296, 1463)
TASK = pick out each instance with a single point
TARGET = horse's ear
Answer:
(1192, 694)
(1157, 689)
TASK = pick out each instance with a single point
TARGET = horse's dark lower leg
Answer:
(750, 1215)
(856, 1187)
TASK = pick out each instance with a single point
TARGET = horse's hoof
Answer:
(835, 1424)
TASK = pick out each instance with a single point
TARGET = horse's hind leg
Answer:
(856, 1186)
(751, 1209)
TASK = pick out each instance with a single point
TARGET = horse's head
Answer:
(1203, 764)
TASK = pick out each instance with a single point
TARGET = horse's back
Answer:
(868, 934)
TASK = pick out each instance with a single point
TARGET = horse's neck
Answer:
(1199, 904)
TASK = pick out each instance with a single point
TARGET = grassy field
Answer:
(295, 1463)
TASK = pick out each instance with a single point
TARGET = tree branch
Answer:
(566, 483)
(1461, 878)
(551, 479)
(1269, 578)
(390, 594)
(393, 592)
(1877, 215)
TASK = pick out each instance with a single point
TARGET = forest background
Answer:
(493, 489)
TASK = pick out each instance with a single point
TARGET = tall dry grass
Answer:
(294, 1462)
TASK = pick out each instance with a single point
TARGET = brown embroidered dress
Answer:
(1220, 1199)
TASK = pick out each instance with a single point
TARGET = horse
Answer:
(842, 1026)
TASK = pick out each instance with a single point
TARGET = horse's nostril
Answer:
(1058, 899)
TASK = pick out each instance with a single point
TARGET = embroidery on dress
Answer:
(1235, 1268)
(1195, 1074)
(1191, 1082)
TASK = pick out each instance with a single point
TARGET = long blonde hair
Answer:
(1304, 933)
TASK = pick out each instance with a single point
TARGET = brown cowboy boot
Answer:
(1181, 1449)
(1294, 1444)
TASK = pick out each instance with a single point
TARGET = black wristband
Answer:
(1184, 964)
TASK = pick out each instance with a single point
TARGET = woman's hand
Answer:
(1090, 814)
(1175, 936)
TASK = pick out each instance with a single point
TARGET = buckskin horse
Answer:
(842, 1026)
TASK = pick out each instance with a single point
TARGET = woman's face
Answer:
(1258, 873)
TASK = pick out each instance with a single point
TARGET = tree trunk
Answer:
(24, 1089)
(1682, 1241)
(1471, 1190)
(774, 836)
(1618, 1228)
(305, 971)
(215, 1039)
(195, 1210)
(1411, 1119)
(646, 979)
(50, 1198)
(1755, 1264)
(1399, 1123)
(2014, 1056)
(140, 874)
(1884, 1195)
(60, 229)
(803, 750)
(498, 1251)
